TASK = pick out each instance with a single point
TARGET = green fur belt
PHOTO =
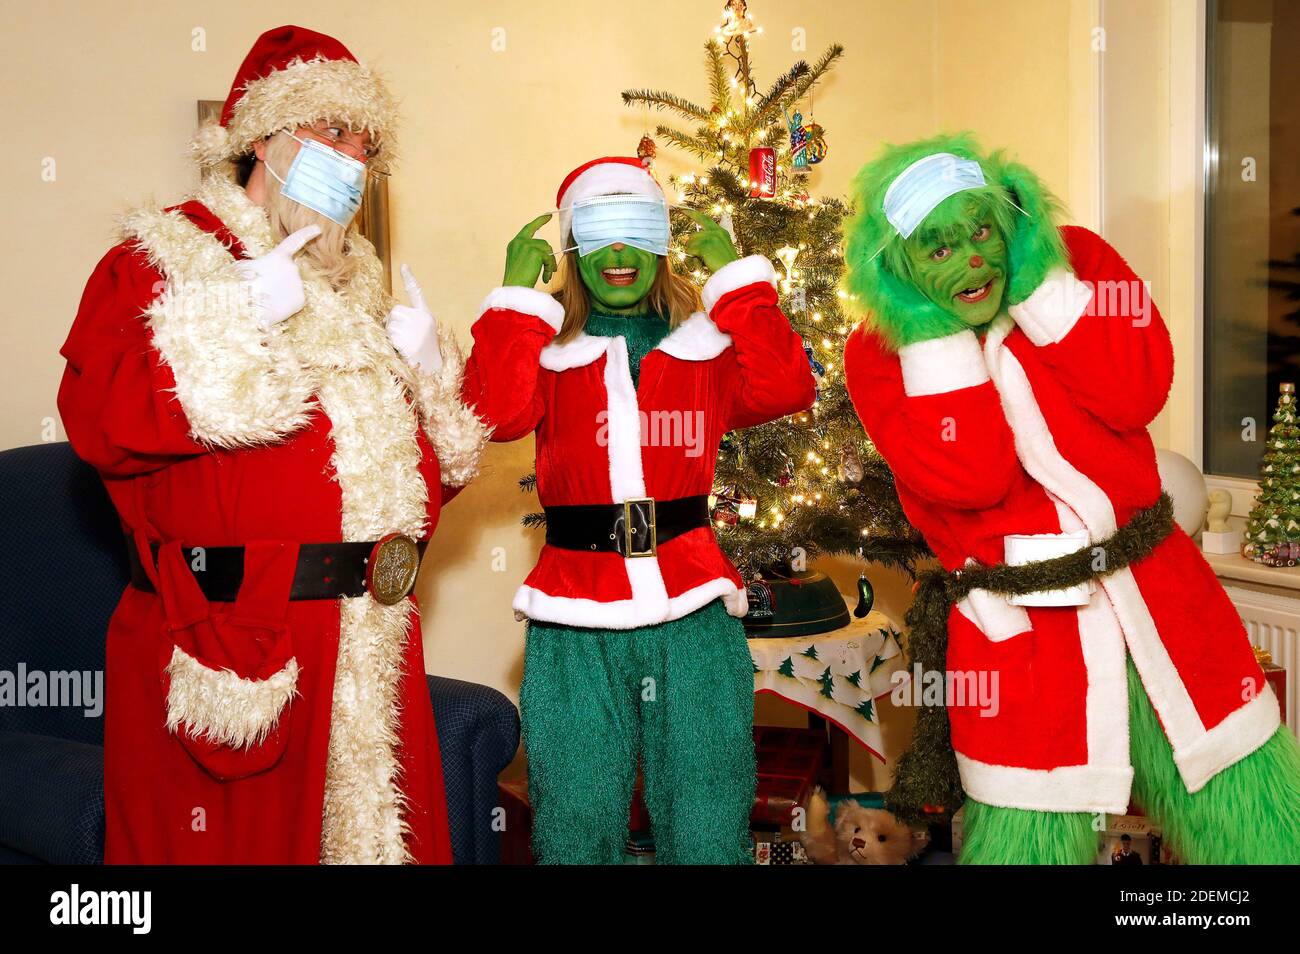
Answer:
(927, 786)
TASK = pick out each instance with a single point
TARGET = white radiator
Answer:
(1273, 623)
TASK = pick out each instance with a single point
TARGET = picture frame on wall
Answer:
(373, 220)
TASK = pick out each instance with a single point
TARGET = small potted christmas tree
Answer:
(1272, 534)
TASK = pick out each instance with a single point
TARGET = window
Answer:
(1252, 225)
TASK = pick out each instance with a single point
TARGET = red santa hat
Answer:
(612, 175)
(295, 77)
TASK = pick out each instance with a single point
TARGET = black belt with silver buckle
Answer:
(633, 528)
(385, 569)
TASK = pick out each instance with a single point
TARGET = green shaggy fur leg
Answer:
(1013, 836)
(1247, 814)
(678, 695)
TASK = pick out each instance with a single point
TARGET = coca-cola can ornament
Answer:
(762, 172)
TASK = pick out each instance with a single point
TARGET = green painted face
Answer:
(959, 260)
(618, 277)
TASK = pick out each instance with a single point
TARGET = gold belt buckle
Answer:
(649, 547)
(391, 568)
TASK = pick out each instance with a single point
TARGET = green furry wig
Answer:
(880, 272)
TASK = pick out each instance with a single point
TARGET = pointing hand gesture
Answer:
(276, 285)
(711, 243)
(412, 328)
(528, 258)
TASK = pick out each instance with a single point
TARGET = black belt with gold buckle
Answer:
(633, 528)
(385, 569)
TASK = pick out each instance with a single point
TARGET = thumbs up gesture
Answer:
(276, 284)
(412, 328)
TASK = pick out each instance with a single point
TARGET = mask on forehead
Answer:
(637, 220)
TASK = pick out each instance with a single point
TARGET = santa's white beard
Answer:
(328, 251)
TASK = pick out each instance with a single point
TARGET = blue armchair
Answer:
(63, 567)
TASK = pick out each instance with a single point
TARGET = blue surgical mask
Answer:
(918, 189)
(637, 220)
(324, 180)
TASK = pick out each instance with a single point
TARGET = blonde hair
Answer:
(670, 295)
(330, 251)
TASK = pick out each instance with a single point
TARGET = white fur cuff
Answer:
(458, 434)
(737, 274)
(526, 301)
(222, 707)
(941, 365)
(1049, 314)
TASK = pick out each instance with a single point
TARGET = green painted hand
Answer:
(527, 257)
(711, 243)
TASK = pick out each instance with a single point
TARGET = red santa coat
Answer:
(1041, 429)
(602, 440)
(264, 731)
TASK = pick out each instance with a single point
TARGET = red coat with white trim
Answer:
(1040, 428)
(600, 440)
(229, 740)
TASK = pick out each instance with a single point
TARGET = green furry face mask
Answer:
(958, 260)
(949, 275)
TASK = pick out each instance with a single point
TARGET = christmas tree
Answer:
(1272, 532)
(810, 484)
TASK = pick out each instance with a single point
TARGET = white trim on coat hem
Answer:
(640, 610)
(1237, 736)
(1070, 788)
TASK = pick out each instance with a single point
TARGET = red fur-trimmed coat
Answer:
(1040, 428)
(602, 440)
(265, 731)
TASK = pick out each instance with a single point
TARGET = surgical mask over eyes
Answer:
(640, 221)
(324, 180)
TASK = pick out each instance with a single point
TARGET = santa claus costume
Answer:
(1034, 425)
(634, 646)
(286, 719)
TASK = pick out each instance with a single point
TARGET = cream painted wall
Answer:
(107, 90)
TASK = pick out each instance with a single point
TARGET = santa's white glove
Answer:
(277, 286)
(412, 328)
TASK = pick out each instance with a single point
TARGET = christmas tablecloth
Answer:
(840, 675)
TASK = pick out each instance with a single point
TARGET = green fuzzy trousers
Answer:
(1248, 814)
(680, 695)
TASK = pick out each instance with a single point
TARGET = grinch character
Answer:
(1007, 370)
(634, 645)
(278, 437)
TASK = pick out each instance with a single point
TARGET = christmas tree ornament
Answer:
(851, 470)
(866, 596)
(646, 150)
(762, 172)
(798, 142)
(736, 21)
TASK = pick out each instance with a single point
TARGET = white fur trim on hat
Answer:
(606, 178)
(304, 92)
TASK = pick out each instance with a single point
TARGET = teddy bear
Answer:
(856, 835)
